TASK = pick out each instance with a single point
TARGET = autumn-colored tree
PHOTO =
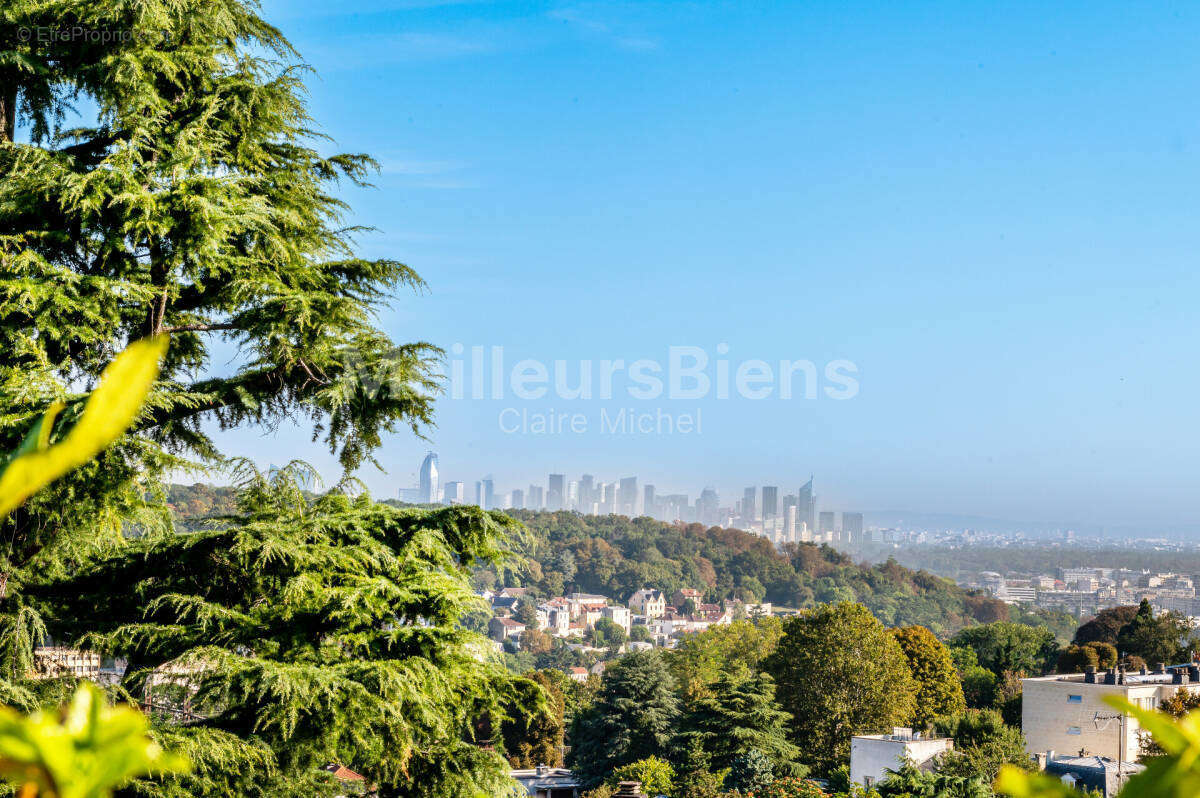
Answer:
(1105, 627)
(1077, 659)
(1106, 653)
(839, 672)
(939, 690)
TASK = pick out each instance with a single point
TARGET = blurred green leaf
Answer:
(110, 410)
(84, 751)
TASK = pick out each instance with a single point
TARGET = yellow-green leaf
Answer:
(89, 750)
(110, 410)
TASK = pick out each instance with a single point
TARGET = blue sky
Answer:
(989, 208)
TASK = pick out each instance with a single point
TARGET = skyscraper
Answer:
(707, 505)
(557, 492)
(852, 527)
(770, 502)
(627, 497)
(517, 501)
(826, 525)
(749, 511)
(587, 493)
(649, 502)
(536, 498)
(806, 505)
(454, 493)
(429, 479)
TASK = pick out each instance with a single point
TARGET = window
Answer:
(1073, 730)
(1074, 699)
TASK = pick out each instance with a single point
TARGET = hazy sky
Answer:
(989, 209)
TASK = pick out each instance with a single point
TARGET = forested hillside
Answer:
(192, 503)
(614, 555)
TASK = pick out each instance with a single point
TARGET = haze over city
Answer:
(1008, 269)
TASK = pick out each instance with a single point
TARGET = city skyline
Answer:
(969, 247)
(790, 517)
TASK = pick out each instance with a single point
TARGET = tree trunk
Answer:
(8, 114)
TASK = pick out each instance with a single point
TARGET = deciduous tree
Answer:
(939, 690)
(839, 672)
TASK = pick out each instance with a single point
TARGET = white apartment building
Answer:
(1067, 713)
(872, 755)
(621, 616)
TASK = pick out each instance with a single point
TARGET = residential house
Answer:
(554, 616)
(686, 594)
(649, 602)
(505, 629)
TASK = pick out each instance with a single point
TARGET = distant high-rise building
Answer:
(557, 492)
(770, 502)
(572, 501)
(807, 505)
(852, 527)
(454, 493)
(826, 525)
(536, 498)
(479, 492)
(790, 533)
(587, 493)
(429, 479)
(707, 505)
(749, 511)
(517, 501)
(649, 502)
(627, 497)
(488, 501)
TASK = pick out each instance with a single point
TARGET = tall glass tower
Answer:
(429, 479)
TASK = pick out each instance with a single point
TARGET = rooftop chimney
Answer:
(1179, 676)
(541, 770)
(629, 789)
(1110, 676)
(1193, 673)
(1089, 676)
